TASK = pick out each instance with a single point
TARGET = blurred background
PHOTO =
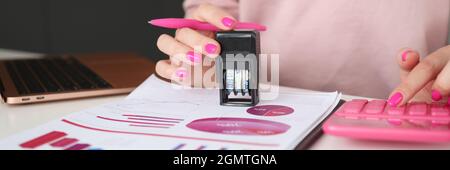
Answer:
(79, 26)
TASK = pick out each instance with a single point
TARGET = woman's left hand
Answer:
(426, 80)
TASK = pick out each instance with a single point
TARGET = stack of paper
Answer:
(157, 116)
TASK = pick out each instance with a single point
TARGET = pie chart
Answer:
(238, 126)
(270, 110)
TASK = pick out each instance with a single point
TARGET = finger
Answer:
(199, 42)
(441, 86)
(209, 34)
(214, 15)
(177, 51)
(165, 69)
(407, 59)
(420, 76)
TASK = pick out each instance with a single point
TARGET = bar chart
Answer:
(143, 121)
(56, 140)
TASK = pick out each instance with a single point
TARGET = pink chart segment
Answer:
(238, 126)
(270, 110)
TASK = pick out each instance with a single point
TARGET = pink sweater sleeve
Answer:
(230, 6)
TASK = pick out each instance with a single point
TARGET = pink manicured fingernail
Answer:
(211, 48)
(395, 99)
(194, 57)
(228, 22)
(181, 73)
(436, 95)
(405, 54)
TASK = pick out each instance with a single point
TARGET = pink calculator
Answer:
(376, 120)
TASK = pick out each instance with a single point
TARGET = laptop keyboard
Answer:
(52, 75)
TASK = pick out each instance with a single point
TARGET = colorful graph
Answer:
(179, 147)
(238, 126)
(64, 142)
(270, 110)
(182, 146)
(144, 121)
(57, 140)
(158, 107)
(183, 137)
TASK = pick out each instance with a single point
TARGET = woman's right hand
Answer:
(187, 49)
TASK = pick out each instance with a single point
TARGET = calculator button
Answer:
(355, 106)
(396, 111)
(440, 122)
(396, 122)
(439, 110)
(417, 109)
(375, 107)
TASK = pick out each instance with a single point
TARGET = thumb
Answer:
(407, 59)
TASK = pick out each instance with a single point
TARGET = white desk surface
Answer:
(16, 118)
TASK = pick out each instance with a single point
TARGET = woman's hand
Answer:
(187, 49)
(424, 80)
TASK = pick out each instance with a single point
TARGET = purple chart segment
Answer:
(238, 126)
(270, 110)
